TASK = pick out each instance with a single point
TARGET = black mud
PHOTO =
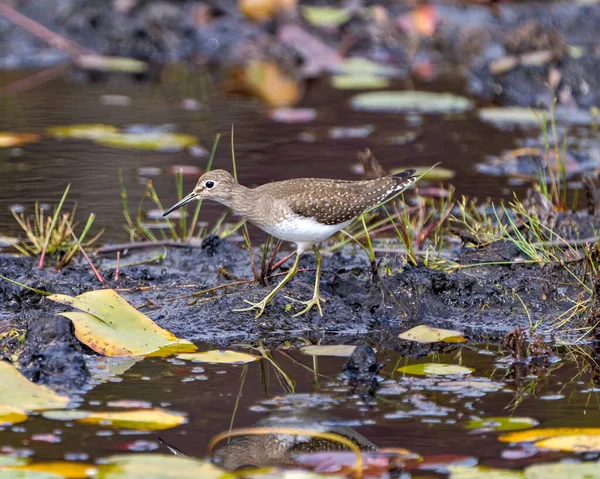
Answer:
(486, 302)
(549, 42)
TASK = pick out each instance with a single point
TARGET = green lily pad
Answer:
(499, 423)
(410, 101)
(155, 140)
(325, 16)
(435, 369)
(359, 82)
(84, 131)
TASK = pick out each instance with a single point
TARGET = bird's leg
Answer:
(268, 298)
(316, 299)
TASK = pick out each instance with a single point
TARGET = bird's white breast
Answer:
(302, 230)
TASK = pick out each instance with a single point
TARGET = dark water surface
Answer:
(265, 150)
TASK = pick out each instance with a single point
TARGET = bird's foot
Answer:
(260, 306)
(315, 301)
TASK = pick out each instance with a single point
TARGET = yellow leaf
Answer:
(17, 392)
(82, 132)
(11, 415)
(435, 369)
(580, 443)
(223, 357)
(158, 466)
(342, 350)
(425, 334)
(69, 470)
(112, 327)
(154, 140)
(544, 433)
(141, 419)
(9, 140)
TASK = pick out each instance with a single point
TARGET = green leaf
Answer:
(359, 82)
(155, 140)
(83, 131)
(500, 423)
(435, 369)
(112, 327)
(410, 101)
(325, 16)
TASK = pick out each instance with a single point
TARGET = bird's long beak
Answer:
(179, 204)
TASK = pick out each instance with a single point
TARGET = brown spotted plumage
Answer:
(304, 210)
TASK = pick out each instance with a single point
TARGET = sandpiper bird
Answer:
(304, 211)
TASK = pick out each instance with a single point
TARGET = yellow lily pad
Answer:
(429, 174)
(435, 369)
(154, 140)
(220, 357)
(10, 140)
(111, 326)
(579, 443)
(158, 466)
(498, 423)
(17, 392)
(410, 101)
(11, 415)
(63, 469)
(546, 432)
(141, 419)
(83, 132)
(425, 334)
(325, 16)
(341, 350)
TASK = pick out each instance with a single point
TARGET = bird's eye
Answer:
(209, 184)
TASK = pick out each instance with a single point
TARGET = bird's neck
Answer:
(239, 199)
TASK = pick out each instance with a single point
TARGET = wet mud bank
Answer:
(521, 53)
(484, 301)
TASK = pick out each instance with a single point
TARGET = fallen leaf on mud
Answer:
(293, 115)
(84, 132)
(11, 415)
(498, 423)
(422, 21)
(18, 393)
(436, 174)
(156, 140)
(341, 350)
(410, 101)
(220, 357)
(266, 81)
(539, 434)
(10, 140)
(425, 334)
(435, 369)
(325, 16)
(359, 82)
(581, 443)
(63, 469)
(111, 64)
(158, 466)
(112, 327)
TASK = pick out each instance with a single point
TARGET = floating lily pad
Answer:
(410, 101)
(157, 466)
(325, 16)
(425, 334)
(580, 443)
(10, 140)
(221, 357)
(539, 434)
(564, 470)
(498, 423)
(84, 131)
(11, 415)
(18, 393)
(139, 419)
(483, 472)
(155, 140)
(112, 327)
(111, 64)
(511, 114)
(359, 82)
(364, 66)
(342, 350)
(11, 473)
(62, 469)
(435, 369)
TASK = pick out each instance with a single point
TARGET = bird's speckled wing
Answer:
(333, 202)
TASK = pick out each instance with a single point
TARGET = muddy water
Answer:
(424, 414)
(265, 150)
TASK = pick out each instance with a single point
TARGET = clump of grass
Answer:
(52, 235)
